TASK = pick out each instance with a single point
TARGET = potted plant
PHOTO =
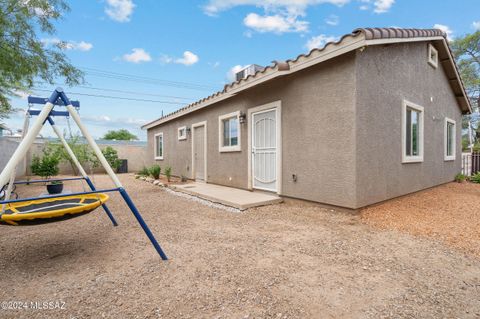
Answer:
(47, 167)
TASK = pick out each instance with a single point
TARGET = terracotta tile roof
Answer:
(365, 33)
(384, 33)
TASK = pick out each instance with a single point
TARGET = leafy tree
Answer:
(23, 56)
(47, 165)
(111, 155)
(120, 135)
(467, 55)
(82, 152)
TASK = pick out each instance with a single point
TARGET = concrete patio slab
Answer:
(233, 197)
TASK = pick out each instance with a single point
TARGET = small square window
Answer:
(229, 132)
(432, 56)
(158, 146)
(450, 139)
(182, 133)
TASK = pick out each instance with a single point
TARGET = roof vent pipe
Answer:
(282, 65)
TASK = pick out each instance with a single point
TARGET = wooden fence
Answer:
(470, 164)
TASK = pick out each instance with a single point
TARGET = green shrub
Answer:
(154, 171)
(111, 155)
(168, 172)
(46, 166)
(475, 178)
(144, 172)
(460, 178)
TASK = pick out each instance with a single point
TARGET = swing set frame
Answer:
(47, 113)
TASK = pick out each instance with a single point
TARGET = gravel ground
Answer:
(449, 213)
(293, 260)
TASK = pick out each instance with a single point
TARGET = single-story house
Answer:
(370, 117)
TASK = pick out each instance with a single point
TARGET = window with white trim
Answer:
(432, 56)
(229, 132)
(182, 133)
(449, 138)
(412, 133)
(158, 146)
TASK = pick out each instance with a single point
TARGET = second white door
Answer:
(264, 150)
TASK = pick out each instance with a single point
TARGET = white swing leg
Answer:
(94, 146)
(25, 145)
(69, 150)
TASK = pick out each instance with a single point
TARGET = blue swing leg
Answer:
(142, 223)
(105, 207)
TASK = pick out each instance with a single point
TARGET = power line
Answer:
(144, 79)
(132, 92)
(120, 91)
(118, 97)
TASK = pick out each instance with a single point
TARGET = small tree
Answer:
(24, 58)
(120, 135)
(111, 155)
(82, 152)
(46, 166)
(466, 50)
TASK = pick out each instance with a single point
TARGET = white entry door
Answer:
(199, 152)
(264, 150)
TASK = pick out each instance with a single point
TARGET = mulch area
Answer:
(449, 213)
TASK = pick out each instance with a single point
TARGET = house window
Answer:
(412, 133)
(182, 133)
(449, 138)
(229, 132)
(432, 56)
(159, 146)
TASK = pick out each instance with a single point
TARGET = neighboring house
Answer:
(373, 116)
(2, 128)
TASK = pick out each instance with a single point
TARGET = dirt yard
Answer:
(449, 213)
(293, 260)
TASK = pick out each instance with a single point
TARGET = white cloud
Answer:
(233, 71)
(296, 7)
(138, 55)
(445, 29)
(382, 6)
(119, 10)
(113, 122)
(189, 58)
(275, 23)
(332, 20)
(379, 6)
(68, 45)
(476, 25)
(279, 16)
(319, 41)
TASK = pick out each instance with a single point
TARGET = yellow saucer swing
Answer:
(48, 210)
(44, 210)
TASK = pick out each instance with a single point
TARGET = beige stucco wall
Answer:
(386, 75)
(341, 129)
(133, 153)
(317, 134)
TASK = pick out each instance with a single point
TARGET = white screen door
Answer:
(264, 150)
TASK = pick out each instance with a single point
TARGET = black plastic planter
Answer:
(54, 188)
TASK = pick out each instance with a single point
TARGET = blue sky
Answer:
(174, 52)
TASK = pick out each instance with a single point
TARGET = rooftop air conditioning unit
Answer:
(248, 70)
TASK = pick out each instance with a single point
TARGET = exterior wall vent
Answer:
(248, 70)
